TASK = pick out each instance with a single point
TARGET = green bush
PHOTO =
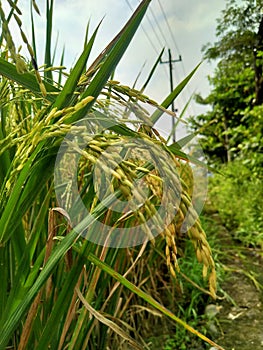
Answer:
(238, 197)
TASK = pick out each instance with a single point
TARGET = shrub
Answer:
(238, 197)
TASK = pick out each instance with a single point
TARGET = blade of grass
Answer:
(26, 187)
(112, 59)
(138, 76)
(185, 140)
(21, 302)
(7, 215)
(55, 51)
(27, 80)
(118, 277)
(33, 31)
(10, 15)
(64, 97)
(108, 322)
(59, 309)
(61, 65)
(152, 71)
(178, 120)
(11, 318)
(172, 96)
(5, 157)
(86, 39)
(49, 22)
(149, 299)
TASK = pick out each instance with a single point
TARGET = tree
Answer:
(240, 34)
(237, 84)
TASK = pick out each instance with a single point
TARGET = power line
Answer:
(164, 37)
(148, 37)
(152, 26)
(170, 31)
(158, 39)
(171, 61)
(159, 27)
(169, 27)
(174, 42)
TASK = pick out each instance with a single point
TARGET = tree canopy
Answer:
(233, 126)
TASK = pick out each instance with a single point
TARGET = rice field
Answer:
(95, 205)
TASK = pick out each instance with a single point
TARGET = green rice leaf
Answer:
(27, 80)
(113, 58)
(178, 120)
(69, 88)
(152, 71)
(149, 299)
(172, 96)
(8, 325)
(49, 22)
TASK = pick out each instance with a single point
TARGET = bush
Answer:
(238, 197)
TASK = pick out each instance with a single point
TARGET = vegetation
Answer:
(60, 290)
(231, 131)
(92, 253)
(239, 203)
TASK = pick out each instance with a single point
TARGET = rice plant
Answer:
(83, 206)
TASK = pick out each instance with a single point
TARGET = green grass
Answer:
(237, 196)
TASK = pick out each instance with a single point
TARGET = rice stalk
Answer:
(79, 278)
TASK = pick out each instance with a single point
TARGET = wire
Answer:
(159, 27)
(158, 39)
(169, 27)
(164, 38)
(175, 45)
(149, 39)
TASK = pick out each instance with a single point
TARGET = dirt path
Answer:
(240, 320)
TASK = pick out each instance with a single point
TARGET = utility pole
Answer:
(171, 61)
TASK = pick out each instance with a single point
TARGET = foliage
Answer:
(237, 84)
(232, 130)
(59, 289)
(191, 305)
(191, 302)
(238, 199)
(237, 30)
(223, 128)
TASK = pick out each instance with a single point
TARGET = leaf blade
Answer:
(113, 58)
(172, 96)
(26, 80)
(64, 97)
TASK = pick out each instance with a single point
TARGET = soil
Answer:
(239, 323)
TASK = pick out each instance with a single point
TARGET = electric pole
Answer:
(171, 61)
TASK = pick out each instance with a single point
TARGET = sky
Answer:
(182, 26)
